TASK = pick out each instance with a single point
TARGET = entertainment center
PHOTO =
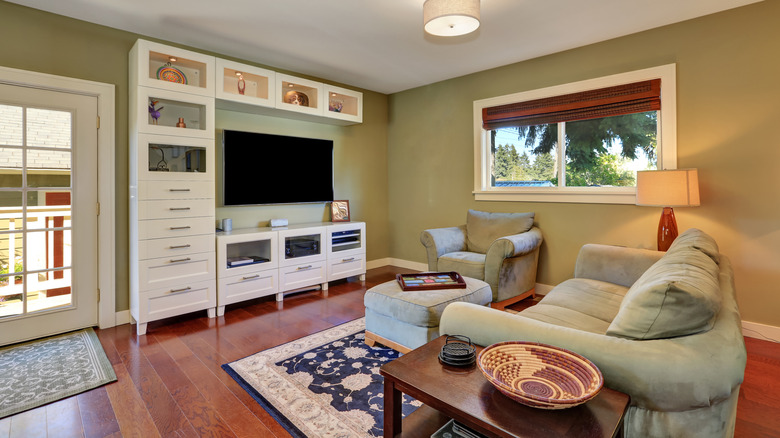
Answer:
(173, 94)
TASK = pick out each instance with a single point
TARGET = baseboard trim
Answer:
(761, 331)
(123, 317)
(389, 261)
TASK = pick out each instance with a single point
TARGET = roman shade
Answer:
(604, 102)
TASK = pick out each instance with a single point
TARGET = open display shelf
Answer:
(241, 86)
(171, 68)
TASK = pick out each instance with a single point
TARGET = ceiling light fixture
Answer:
(450, 17)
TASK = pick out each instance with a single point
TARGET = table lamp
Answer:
(667, 189)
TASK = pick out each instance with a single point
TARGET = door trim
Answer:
(106, 170)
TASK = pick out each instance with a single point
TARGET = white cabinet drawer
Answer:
(309, 274)
(175, 271)
(149, 190)
(346, 266)
(246, 287)
(172, 301)
(173, 208)
(175, 246)
(162, 228)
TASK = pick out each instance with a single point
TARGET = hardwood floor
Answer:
(171, 384)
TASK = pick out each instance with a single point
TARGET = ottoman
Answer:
(405, 320)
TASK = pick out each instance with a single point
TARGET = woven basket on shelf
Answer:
(540, 375)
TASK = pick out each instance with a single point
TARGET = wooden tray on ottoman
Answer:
(431, 280)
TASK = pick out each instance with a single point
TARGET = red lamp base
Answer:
(667, 229)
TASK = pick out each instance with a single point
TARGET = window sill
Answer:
(579, 195)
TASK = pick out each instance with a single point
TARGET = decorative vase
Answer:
(181, 123)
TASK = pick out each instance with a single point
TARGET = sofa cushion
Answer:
(696, 239)
(467, 264)
(579, 303)
(482, 228)
(679, 295)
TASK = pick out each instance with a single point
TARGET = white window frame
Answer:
(666, 149)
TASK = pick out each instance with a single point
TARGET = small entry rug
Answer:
(324, 385)
(38, 372)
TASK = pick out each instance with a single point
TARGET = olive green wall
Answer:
(727, 71)
(42, 42)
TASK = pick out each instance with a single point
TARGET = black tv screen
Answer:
(275, 169)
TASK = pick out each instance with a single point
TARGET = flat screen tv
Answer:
(275, 169)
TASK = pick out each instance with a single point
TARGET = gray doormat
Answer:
(38, 372)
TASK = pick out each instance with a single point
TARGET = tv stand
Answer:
(257, 262)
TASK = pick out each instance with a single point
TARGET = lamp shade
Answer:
(668, 188)
(450, 17)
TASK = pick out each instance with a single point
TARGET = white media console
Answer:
(256, 262)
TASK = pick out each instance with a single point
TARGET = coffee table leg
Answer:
(392, 409)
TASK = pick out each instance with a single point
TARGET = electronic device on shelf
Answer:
(301, 247)
(275, 169)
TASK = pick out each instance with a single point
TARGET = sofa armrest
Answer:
(614, 264)
(440, 241)
(666, 374)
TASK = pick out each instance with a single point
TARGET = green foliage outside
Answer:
(589, 161)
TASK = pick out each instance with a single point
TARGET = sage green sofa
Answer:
(501, 249)
(662, 327)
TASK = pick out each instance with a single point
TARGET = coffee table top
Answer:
(465, 395)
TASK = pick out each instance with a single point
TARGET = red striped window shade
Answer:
(592, 104)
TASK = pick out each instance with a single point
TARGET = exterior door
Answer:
(48, 212)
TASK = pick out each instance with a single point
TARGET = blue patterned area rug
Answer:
(38, 372)
(324, 385)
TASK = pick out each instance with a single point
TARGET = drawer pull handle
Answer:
(348, 260)
(186, 227)
(179, 190)
(251, 277)
(175, 291)
(179, 208)
(185, 259)
(180, 246)
(303, 268)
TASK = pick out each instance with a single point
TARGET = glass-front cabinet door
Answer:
(175, 158)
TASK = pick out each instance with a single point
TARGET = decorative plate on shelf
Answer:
(171, 74)
(539, 375)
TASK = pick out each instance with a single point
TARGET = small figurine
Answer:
(241, 84)
(154, 112)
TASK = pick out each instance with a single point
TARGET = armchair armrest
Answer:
(440, 241)
(665, 374)
(511, 262)
(614, 264)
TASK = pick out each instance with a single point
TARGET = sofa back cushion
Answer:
(483, 228)
(679, 295)
(696, 239)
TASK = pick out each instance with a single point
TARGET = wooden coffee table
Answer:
(465, 395)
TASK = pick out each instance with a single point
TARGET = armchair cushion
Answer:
(468, 264)
(483, 228)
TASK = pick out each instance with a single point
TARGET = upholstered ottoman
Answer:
(405, 320)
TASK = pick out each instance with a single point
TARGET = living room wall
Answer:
(727, 70)
(48, 43)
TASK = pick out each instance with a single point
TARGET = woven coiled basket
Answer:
(539, 375)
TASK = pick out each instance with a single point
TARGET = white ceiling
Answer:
(380, 45)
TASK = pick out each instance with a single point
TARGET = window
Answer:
(578, 142)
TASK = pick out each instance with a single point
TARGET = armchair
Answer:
(501, 249)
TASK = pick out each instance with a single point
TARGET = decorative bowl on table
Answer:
(539, 375)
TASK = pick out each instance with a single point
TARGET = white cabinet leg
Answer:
(362, 277)
(324, 286)
(211, 312)
(280, 296)
(141, 329)
(221, 311)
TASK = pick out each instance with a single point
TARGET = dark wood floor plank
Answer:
(97, 415)
(63, 419)
(167, 416)
(131, 412)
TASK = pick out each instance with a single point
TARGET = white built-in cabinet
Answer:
(173, 94)
(172, 186)
(256, 262)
